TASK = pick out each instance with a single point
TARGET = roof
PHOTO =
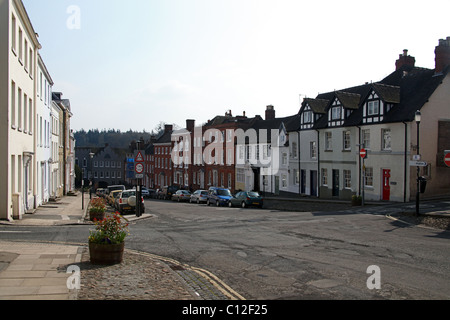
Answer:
(407, 88)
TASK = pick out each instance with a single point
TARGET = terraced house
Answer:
(379, 117)
(27, 125)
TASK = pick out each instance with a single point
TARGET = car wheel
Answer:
(243, 205)
(217, 203)
(207, 202)
(198, 201)
(229, 204)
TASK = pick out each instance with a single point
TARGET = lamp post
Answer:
(418, 118)
(90, 176)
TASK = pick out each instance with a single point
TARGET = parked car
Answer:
(145, 192)
(246, 199)
(168, 191)
(218, 196)
(127, 202)
(115, 187)
(112, 196)
(100, 192)
(199, 196)
(181, 195)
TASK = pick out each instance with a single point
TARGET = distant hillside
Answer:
(115, 138)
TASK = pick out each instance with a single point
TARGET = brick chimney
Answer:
(270, 112)
(442, 55)
(168, 128)
(405, 59)
(190, 124)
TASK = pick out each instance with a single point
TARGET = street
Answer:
(271, 254)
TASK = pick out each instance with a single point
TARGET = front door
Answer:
(303, 181)
(313, 182)
(386, 185)
(335, 191)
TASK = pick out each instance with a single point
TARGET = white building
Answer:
(56, 182)
(43, 136)
(18, 60)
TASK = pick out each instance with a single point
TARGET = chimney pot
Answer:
(270, 112)
(404, 59)
(442, 55)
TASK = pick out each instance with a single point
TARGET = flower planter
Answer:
(106, 253)
(98, 215)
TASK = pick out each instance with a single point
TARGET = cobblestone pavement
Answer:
(141, 277)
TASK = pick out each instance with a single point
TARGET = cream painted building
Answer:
(32, 123)
(18, 59)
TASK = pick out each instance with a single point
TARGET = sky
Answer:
(133, 64)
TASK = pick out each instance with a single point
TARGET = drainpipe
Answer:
(318, 163)
(299, 166)
(405, 166)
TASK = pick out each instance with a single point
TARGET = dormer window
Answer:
(336, 113)
(373, 108)
(307, 117)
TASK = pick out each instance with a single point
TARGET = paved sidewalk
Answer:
(37, 271)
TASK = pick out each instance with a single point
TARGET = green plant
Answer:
(98, 205)
(111, 230)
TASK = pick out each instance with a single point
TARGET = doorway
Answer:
(313, 183)
(386, 184)
(335, 191)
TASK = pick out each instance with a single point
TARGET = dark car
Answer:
(246, 199)
(218, 196)
(168, 191)
(181, 195)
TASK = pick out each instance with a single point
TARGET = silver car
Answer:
(199, 196)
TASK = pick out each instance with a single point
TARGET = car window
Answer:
(204, 192)
(127, 194)
(222, 192)
(253, 194)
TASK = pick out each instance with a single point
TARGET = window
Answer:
(328, 145)
(368, 177)
(336, 113)
(229, 181)
(283, 180)
(313, 149)
(13, 33)
(30, 116)
(13, 104)
(366, 138)
(347, 179)
(20, 45)
(284, 159)
(386, 136)
(294, 150)
(373, 107)
(346, 142)
(324, 174)
(307, 117)
(240, 176)
(19, 105)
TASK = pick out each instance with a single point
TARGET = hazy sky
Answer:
(131, 64)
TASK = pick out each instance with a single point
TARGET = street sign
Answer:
(139, 157)
(139, 176)
(447, 159)
(418, 163)
(363, 153)
(139, 168)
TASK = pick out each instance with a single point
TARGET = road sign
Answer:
(447, 159)
(139, 176)
(418, 163)
(139, 168)
(139, 157)
(363, 153)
